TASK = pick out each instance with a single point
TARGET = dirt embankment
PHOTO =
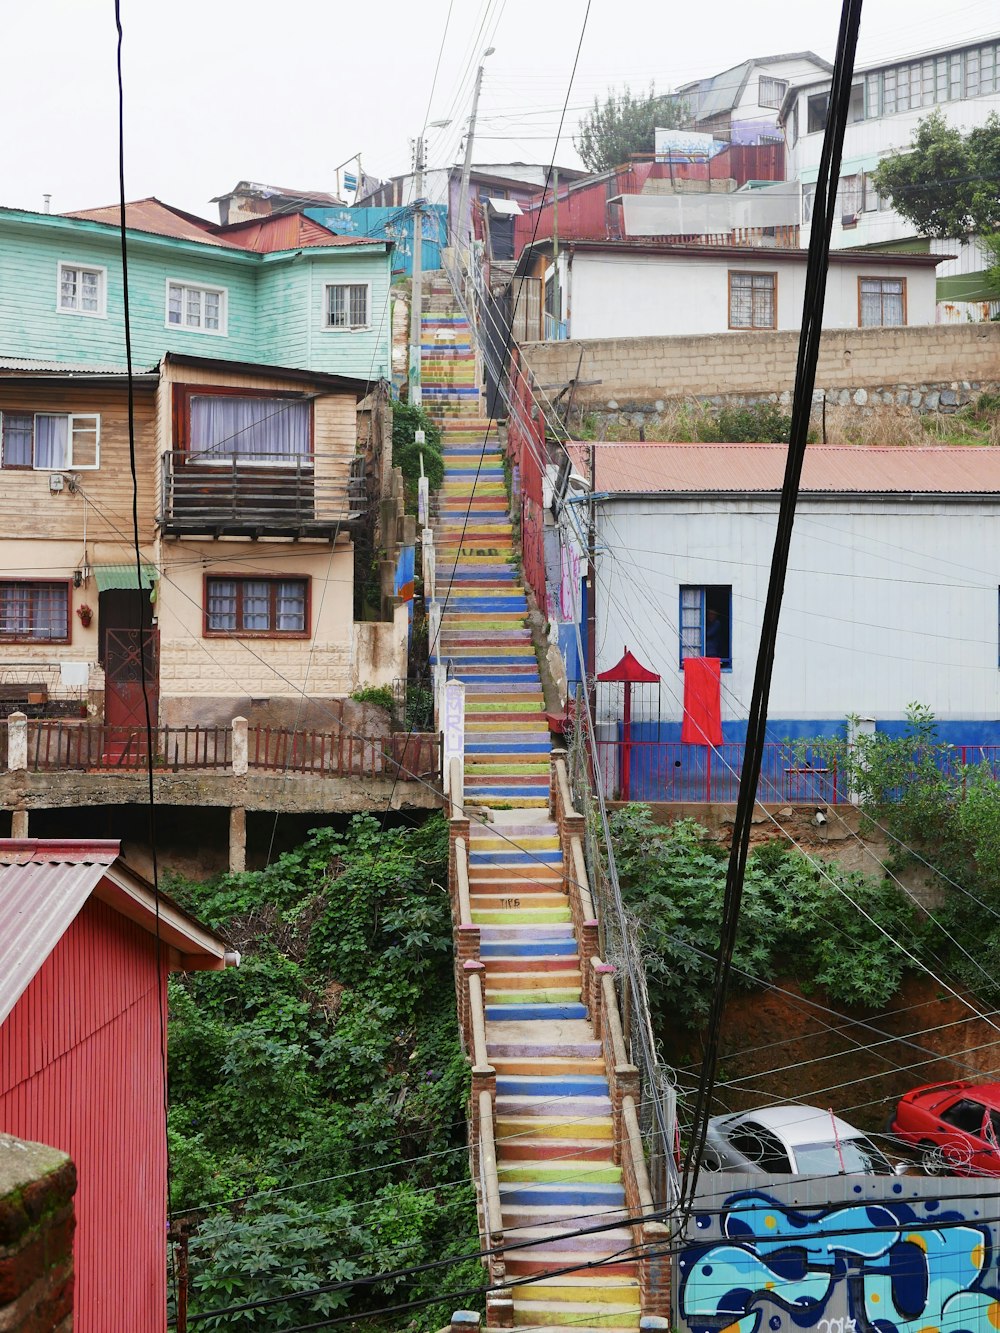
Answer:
(788, 1046)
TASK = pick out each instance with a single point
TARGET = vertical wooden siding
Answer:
(81, 1059)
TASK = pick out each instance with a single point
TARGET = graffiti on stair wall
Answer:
(877, 1264)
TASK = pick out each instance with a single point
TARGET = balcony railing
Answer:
(61, 746)
(268, 494)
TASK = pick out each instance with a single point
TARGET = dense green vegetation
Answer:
(321, 1084)
(407, 419)
(797, 921)
(623, 124)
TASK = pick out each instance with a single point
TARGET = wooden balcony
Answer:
(269, 495)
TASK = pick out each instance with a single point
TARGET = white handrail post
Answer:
(17, 742)
(453, 727)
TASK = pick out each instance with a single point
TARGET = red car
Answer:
(956, 1126)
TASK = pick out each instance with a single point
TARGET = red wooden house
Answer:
(85, 949)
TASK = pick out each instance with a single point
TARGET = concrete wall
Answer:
(37, 1185)
(645, 371)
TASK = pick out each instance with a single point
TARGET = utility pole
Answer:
(416, 292)
(463, 196)
(557, 311)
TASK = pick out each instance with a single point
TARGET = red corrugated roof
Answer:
(44, 883)
(159, 219)
(639, 469)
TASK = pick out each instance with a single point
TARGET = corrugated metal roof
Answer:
(160, 219)
(640, 469)
(42, 888)
(287, 231)
(66, 367)
(123, 576)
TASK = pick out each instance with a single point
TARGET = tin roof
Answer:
(285, 231)
(44, 883)
(159, 219)
(745, 253)
(737, 469)
(255, 188)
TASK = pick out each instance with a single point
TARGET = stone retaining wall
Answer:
(37, 1184)
(935, 368)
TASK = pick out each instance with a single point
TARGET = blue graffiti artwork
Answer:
(846, 1268)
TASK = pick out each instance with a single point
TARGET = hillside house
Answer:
(891, 596)
(84, 957)
(634, 289)
(741, 105)
(319, 303)
(889, 100)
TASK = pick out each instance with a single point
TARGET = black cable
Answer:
(805, 375)
(143, 627)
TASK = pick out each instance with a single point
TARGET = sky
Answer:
(217, 92)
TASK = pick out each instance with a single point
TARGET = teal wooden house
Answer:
(281, 290)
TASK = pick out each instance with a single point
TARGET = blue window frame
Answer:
(706, 622)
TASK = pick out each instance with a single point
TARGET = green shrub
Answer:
(757, 423)
(406, 420)
(381, 695)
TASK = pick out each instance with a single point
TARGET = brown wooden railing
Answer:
(80, 746)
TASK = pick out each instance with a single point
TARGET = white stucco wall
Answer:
(633, 296)
(885, 603)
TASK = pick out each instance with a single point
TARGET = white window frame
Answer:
(347, 328)
(79, 265)
(221, 292)
(71, 418)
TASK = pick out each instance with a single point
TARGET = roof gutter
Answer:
(899, 497)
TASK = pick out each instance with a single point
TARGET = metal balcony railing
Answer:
(264, 494)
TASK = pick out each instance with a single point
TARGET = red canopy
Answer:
(630, 669)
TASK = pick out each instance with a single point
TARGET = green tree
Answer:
(946, 183)
(624, 124)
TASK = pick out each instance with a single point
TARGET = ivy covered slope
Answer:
(322, 1087)
(821, 927)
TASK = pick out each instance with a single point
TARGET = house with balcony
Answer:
(252, 493)
(962, 82)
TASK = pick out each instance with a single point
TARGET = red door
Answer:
(131, 676)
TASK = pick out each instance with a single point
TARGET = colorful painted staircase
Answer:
(554, 1127)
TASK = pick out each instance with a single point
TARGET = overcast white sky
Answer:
(217, 91)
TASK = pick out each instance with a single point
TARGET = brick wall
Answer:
(37, 1185)
(641, 372)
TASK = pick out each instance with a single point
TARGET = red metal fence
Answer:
(526, 449)
(677, 771)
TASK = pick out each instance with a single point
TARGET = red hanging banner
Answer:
(702, 724)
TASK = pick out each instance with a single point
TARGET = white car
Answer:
(791, 1140)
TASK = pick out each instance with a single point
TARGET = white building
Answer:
(889, 101)
(892, 589)
(624, 289)
(740, 105)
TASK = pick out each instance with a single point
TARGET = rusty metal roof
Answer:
(643, 469)
(159, 219)
(286, 231)
(44, 883)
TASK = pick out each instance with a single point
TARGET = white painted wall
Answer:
(698, 214)
(885, 603)
(792, 71)
(634, 296)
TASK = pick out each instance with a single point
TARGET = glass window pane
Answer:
(84, 442)
(51, 442)
(212, 303)
(34, 610)
(692, 608)
(67, 291)
(336, 316)
(174, 300)
(90, 290)
(18, 432)
(292, 607)
(359, 305)
(256, 605)
(221, 604)
(192, 307)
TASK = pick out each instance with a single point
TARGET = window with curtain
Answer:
(49, 441)
(752, 300)
(882, 301)
(269, 606)
(223, 428)
(34, 612)
(82, 290)
(706, 622)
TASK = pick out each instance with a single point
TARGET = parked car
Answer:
(791, 1140)
(956, 1127)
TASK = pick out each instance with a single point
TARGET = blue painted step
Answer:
(511, 1013)
(515, 858)
(580, 1085)
(535, 949)
(528, 1193)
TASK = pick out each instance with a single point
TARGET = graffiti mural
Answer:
(915, 1265)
